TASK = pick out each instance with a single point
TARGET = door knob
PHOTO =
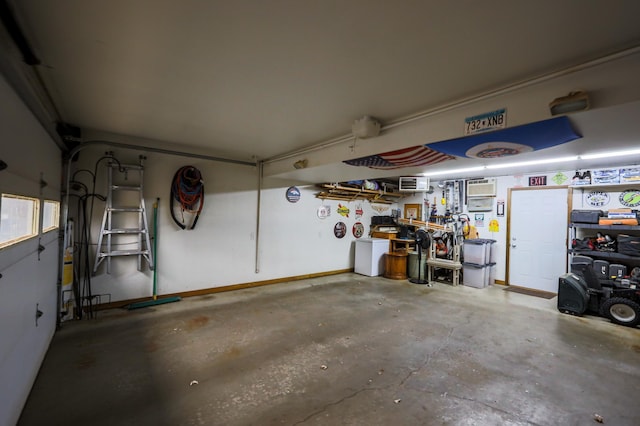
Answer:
(513, 245)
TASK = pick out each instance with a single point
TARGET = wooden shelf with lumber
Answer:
(336, 191)
(421, 224)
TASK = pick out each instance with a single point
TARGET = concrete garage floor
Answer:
(341, 350)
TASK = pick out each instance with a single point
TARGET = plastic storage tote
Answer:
(493, 251)
(475, 275)
(478, 251)
(492, 274)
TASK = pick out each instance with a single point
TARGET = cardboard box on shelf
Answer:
(605, 176)
(630, 175)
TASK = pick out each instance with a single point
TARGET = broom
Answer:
(155, 300)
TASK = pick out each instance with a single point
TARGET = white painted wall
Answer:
(221, 250)
(293, 241)
(26, 280)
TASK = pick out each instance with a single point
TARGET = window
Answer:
(18, 219)
(50, 215)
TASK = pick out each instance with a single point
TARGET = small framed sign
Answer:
(412, 211)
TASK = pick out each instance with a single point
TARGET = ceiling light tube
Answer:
(610, 154)
(533, 162)
(601, 155)
(454, 171)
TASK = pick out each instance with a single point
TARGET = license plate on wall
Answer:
(486, 122)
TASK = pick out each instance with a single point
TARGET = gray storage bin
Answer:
(492, 274)
(493, 251)
(479, 251)
(586, 216)
(476, 251)
(475, 275)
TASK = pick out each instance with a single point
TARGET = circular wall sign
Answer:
(293, 194)
(358, 229)
(630, 198)
(597, 198)
(340, 230)
(324, 211)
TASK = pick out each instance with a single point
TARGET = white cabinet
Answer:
(370, 256)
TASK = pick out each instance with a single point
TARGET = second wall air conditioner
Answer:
(413, 184)
(481, 188)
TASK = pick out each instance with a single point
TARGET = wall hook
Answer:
(41, 248)
(39, 313)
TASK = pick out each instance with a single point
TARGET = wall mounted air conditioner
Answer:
(481, 188)
(413, 183)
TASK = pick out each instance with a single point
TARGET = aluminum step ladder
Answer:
(128, 214)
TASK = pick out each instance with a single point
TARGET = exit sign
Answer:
(537, 181)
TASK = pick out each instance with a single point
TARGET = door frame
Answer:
(507, 278)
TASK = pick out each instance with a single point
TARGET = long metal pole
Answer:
(155, 248)
(258, 209)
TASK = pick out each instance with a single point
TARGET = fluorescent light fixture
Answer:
(455, 171)
(609, 154)
(532, 162)
(574, 101)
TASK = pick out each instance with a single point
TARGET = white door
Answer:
(537, 238)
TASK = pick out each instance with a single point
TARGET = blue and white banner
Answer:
(485, 145)
(510, 141)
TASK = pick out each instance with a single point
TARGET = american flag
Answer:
(408, 157)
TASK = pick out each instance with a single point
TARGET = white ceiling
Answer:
(257, 79)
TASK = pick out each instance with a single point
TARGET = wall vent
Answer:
(481, 188)
(413, 183)
(480, 204)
